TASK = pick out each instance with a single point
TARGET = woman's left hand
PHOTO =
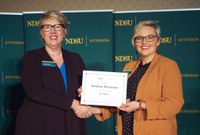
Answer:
(129, 106)
(79, 91)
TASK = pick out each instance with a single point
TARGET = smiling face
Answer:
(146, 42)
(52, 38)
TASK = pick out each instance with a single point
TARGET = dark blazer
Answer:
(46, 109)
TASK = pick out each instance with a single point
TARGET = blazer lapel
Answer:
(46, 57)
(68, 73)
(144, 79)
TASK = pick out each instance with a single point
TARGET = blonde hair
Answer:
(143, 24)
(54, 15)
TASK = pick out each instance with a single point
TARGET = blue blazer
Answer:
(46, 109)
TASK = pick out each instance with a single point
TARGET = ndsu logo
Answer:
(123, 58)
(74, 40)
(123, 22)
(32, 23)
(166, 40)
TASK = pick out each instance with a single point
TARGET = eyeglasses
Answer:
(149, 38)
(48, 27)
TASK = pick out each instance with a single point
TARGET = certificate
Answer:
(104, 88)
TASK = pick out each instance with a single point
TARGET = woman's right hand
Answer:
(82, 111)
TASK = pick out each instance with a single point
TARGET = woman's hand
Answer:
(95, 110)
(79, 91)
(82, 111)
(129, 106)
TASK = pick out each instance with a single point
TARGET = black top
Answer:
(133, 81)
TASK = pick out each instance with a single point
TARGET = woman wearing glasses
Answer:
(154, 90)
(51, 77)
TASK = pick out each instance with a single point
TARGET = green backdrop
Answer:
(11, 52)
(181, 42)
(103, 39)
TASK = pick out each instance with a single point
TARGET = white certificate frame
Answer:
(103, 88)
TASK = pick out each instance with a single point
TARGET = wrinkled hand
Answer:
(82, 111)
(129, 106)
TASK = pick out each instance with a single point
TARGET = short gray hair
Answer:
(54, 15)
